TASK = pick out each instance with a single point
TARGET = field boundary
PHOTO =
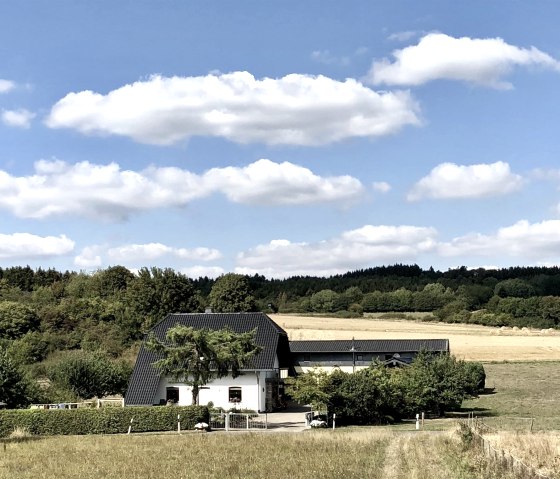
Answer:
(502, 458)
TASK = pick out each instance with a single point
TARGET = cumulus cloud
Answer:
(151, 251)
(26, 246)
(531, 241)
(449, 181)
(266, 182)
(202, 271)
(293, 110)
(18, 118)
(351, 250)
(95, 256)
(438, 56)
(106, 191)
(6, 85)
(89, 257)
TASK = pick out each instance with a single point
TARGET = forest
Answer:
(61, 326)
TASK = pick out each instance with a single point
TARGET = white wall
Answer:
(252, 391)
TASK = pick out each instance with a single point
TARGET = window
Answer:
(235, 394)
(307, 357)
(172, 395)
(359, 357)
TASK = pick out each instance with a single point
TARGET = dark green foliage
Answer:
(154, 294)
(432, 384)
(16, 319)
(196, 356)
(230, 294)
(368, 396)
(90, 374)
(16, 390)
(109, 420)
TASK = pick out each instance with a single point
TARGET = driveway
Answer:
(291, 419)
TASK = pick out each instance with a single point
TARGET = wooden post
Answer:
(422, 420)
(130, 427)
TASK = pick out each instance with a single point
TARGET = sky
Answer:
(279, 138)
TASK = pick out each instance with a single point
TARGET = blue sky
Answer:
(279, 138)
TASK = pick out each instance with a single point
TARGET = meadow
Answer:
(521, 407)
(350, 453)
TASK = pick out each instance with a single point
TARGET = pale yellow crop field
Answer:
(471, 342)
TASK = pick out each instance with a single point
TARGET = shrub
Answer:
(42, 422)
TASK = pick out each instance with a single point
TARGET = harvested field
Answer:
(471, 342)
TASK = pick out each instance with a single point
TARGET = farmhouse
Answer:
(351, 355)
(260, 384)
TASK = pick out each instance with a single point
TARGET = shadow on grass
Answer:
(465, 411)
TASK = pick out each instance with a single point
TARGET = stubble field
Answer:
(470, 342)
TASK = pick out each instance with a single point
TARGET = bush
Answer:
(42, 422)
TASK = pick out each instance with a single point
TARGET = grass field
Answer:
(355, 453)
(525, 393)
(471, 342)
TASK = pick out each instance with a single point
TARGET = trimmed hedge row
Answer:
(110, 420)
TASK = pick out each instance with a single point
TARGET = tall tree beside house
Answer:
(197, 356)
(231, 294)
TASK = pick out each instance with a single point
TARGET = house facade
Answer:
(256, 388)
(259, 387)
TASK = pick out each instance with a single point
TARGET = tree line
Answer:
(48, 317)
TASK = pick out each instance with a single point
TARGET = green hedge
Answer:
(111, 420)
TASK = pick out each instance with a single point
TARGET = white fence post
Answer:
(130, 427)
(227, 421)
(179, 423)
(334, 421)
(247, 417)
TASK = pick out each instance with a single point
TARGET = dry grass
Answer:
(349, 453)
(471, 342)
(540, 450)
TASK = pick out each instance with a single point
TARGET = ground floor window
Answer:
(235, 394)
(172, 395)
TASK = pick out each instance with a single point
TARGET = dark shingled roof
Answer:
(271, 337)
(370, 345)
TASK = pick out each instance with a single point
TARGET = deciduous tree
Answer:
(196, 356)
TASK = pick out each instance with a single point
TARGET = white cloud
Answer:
(106, 191)
(6, 85)
(27, 246)
(448, 181)
(18, 118)
(293, 110)
(89, 258)
(351, 250)
(95, 256)
(439, 56)
(531, 241)
(202, 271)
(381, 186)
(269, 183)
(151, 251)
